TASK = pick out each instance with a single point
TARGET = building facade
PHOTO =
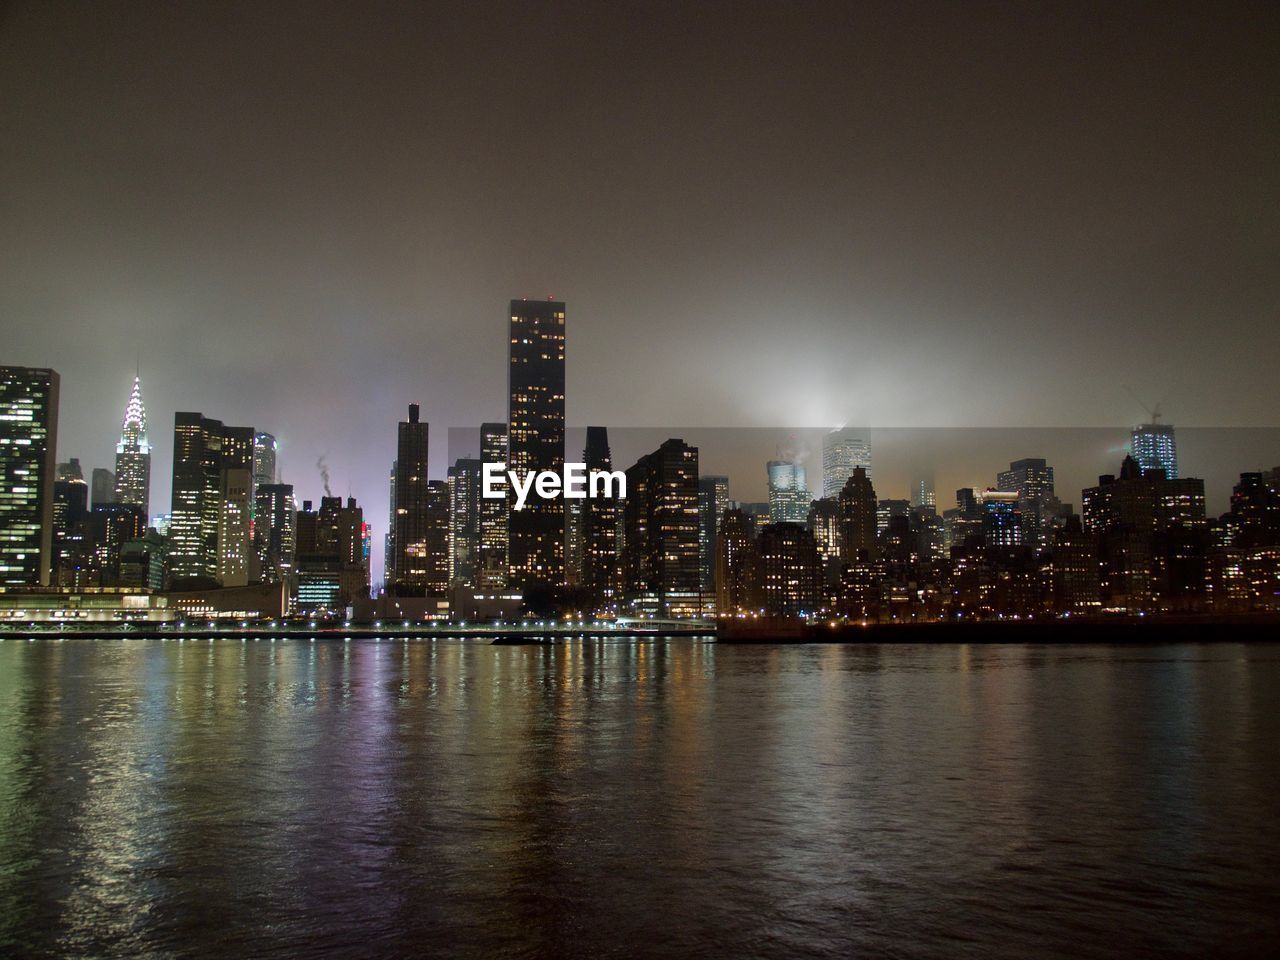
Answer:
(28, 461)
(535, 438)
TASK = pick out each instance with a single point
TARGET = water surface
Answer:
(656, 798)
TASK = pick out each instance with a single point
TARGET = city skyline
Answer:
(858, 219)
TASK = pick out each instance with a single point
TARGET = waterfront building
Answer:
(28, 452)
(209, 519)
(737, 572)
(273, 531)
(660, 555)
(536, 425)
(600, 518)
(790, 571)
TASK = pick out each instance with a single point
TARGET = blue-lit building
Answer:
(1154, 447)
(1001, 519)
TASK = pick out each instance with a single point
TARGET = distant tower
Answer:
(103, 486)
(133, 454)
(535, 422)
(788, 492)
(264, 459)
(1154, 447)
(842, 450)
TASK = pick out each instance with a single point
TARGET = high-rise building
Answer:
(28, 452)
(71, 546)
(1154, 447)
(791, 576)
(1001, 519)
(536, 388)
(922, 492)
(599, 528)
(1032, 480)
(491, 565)
(235, 542)
(842, 450)
(435, 559)
(789, 497)
(264, 459)
(737, 572)
(464, 521)
(102, 486)
(824, 524)
(409, 509)
(113, 525)
(209, 520)
(713, 501)
(273, 530)
(133, 454)
(858, 517)
(660, 552)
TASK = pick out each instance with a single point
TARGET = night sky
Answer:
(301, 217)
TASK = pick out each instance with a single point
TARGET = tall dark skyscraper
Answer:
(209, 525)
(858, 517)
(660, 555)
(133, 454)
(28, 460)
(535, 381)
(102, 486)
(599, 527)
(273, 530)
(412, 569)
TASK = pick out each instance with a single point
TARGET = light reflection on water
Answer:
(663, 798)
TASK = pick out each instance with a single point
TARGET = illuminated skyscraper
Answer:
(599, 527)
(133, 454)
(273, 530)
(491, 565)
(209, 521)
(1154, 447)
(536, 378)
(1032, 480)
(713, 501)
(660, 552)
(28, 442)
(464, 521)
(264, 459)
(789, 497)
(842, 450)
